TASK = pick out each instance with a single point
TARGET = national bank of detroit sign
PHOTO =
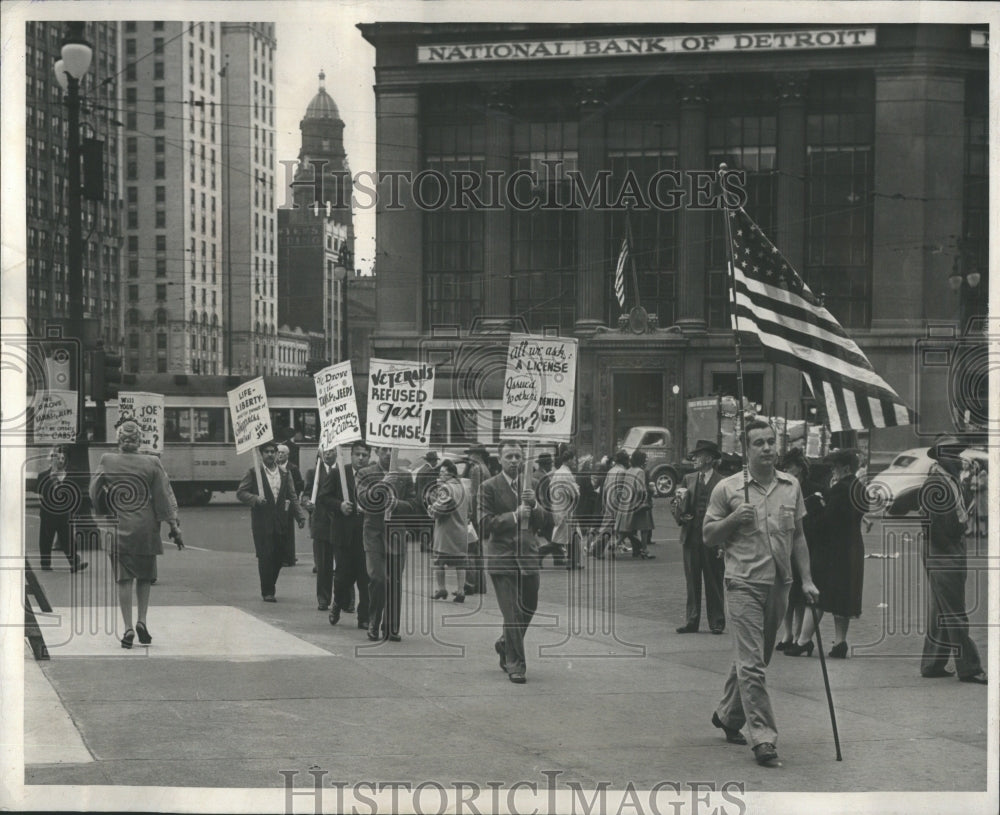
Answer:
(642, 45)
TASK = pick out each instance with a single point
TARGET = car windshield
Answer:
(904, 461)
(631, 440)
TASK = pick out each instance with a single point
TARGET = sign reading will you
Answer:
(644, 45)
(338, 410)
(250, 416)
(538, 388)
(400, 400)
(146, 409)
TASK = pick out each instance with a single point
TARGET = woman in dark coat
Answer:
(798, 625)
(840, 571)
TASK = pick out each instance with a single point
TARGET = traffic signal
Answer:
(106, 375)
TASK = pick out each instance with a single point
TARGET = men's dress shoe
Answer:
(688, 629)
(459, 598)
(733, 736)
(394, 638)
(350, 609)
(517, 679)
(373, 635)
(766, 754)
(79, 567)
(269, 598)
(716, 630)
(502, 651)
(323, 607)
(839, 651)
(979, 678)
(937, 673)
(334, 615)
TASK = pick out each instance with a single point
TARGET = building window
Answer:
(133, 294)
(161, 243)
(161, 267)
(543, 288)
(639, 147)
(976, 194)
(742, 132)
(839, 174)
(161, 292)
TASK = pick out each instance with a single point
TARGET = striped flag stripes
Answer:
(620, 272)
(774, 304)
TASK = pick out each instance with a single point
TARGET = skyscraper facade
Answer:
(46, 141)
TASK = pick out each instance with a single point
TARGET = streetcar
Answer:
(199, 451)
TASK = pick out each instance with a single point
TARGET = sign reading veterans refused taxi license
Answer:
(338, 408)
(645, 45)
(250, 415)
(539, 387)
(146, 409)
(400, 400)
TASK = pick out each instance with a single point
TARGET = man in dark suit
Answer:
(321, 529)
(348, 542)
(284, 464)
(510, 518)
(269, 515)
(382, 493)
(701, 563)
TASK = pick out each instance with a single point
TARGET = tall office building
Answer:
(46, 141)
(173, 197)
(251, 227)
(199, 156)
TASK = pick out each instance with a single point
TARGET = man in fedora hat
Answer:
(947, 633)
(701, 563)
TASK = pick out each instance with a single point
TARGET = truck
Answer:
(712, 418)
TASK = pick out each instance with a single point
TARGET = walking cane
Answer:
(826, 681)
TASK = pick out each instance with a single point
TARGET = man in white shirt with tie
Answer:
(510, 517)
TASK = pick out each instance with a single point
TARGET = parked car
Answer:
(896, 489)
(663, 470)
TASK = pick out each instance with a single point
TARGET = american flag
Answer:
(774, 304)
(620, 272)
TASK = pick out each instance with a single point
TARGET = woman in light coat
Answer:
(450, 511)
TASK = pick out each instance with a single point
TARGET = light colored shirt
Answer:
(274, 480)
(762, 554)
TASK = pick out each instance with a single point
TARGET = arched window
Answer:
(132, 316)
(161, 316)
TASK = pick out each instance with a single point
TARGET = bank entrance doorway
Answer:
(637, 399)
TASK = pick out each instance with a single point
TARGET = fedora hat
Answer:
(705, 446)
(943, 442)
(431, 457)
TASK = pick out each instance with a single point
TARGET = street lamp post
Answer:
(75, 62)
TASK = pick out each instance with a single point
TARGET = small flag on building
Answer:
(620, 272)
(774, 304)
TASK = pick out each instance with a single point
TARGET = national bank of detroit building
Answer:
(865, 154)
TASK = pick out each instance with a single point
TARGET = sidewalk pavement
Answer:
(232, 691)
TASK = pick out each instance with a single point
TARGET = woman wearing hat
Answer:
(794, 641)
(134, 488)
(839, 571)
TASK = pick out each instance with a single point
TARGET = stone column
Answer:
(693, 155)
(919, 149)
(399, 259)
(791, 163)
(591, 232)
(497, 221)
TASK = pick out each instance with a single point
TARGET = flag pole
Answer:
(631, 254)
(723, 169)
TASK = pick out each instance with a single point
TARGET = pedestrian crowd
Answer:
(768, 547)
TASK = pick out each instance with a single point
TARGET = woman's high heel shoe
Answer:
(796, 650)
(781, 646)
(143, 632)
(839, 651)
(128, 639)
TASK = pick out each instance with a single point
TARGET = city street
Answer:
(232, 691)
